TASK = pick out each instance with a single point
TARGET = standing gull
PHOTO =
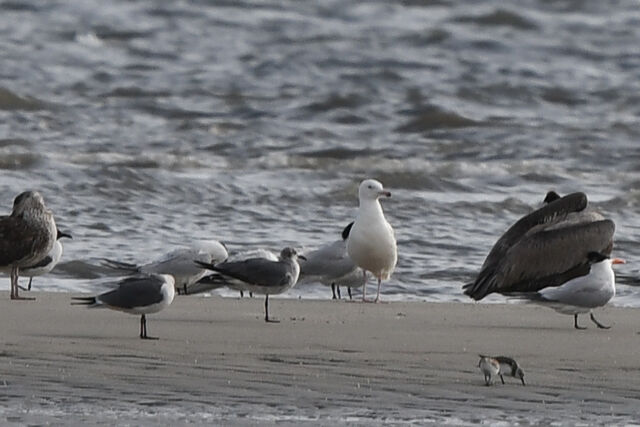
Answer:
(179, 263)
(331, 265)
(584, 293)
(211, 282)
(546, 249)
(372, 244)
(142, 294)
(26, 236)
(46, 264)
(260, 275)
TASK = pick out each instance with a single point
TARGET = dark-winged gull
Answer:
(545, 249)
(46, 264)
(259, 275)
(371, 243)
(141, 294)
(179, 263)
(331, 265)
(211, 282)
(26, 236)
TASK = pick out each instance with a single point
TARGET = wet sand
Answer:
(327, 362)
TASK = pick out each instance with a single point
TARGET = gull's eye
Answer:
(369, 186)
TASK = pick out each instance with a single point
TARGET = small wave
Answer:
(17, 161)
(89, 39)
(500, 17)
(18, 6)
(12, 102)
(336, 100)
(134, 92)
(559, 95)
(146, 160)
(431, 117)
(79, 269)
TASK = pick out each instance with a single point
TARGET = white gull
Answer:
(372, 244)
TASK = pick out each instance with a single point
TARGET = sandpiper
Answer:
(499, 365)
(490, 367)
(510, 367)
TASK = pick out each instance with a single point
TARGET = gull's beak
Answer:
(522, 379)
(385, 193)
(63, 234)
(302, 257)
(618, 261)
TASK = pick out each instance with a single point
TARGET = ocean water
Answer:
(147, 125)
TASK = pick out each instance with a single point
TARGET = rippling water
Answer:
(149, 124)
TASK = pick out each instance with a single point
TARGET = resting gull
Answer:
(331, 265)
(179, 263)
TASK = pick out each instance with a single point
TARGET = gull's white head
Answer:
(216, 250)
(370, 189)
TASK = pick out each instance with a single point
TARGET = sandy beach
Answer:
(327, 362)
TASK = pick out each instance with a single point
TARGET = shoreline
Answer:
(327, 361)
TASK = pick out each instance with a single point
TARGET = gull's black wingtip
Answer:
(206, 265)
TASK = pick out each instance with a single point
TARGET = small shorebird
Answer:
(142, 294)
(510, 367)
(371, 243)
(46, 264)
(499, 365)
(26, 236)
(179, 263)
(259, 275)
(331, 265)
(490, 367)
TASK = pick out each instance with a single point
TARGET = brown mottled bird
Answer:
(26, 236)
(546, 248)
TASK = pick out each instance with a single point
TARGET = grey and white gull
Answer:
(562, 243)
(26, 236)
(211, 281)
(140, 295)
(179, 263)
(259, 275)
(372, 243)
(331, 265)
(584, 293)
